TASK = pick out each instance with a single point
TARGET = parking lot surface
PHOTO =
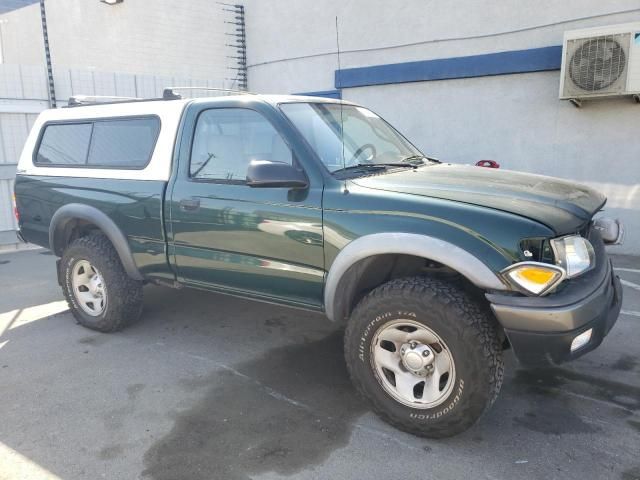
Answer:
(207, 386)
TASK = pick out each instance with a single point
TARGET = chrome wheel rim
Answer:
(88, 288)
(412, 364)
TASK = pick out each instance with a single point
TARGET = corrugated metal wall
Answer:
(23, 94)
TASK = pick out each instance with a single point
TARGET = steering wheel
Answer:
(361, 150)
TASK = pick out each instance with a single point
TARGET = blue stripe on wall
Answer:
(9, 5)
(501, 63)
(325, 93)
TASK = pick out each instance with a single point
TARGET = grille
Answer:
(597, 63)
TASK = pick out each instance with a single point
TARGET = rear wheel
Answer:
(99, 292)
(425, 355)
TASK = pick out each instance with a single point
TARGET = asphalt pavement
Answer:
(207, 386)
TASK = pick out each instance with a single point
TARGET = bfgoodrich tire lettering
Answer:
(469, 334)
(123, 295)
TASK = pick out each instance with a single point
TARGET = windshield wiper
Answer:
(373, 166)
(357, 166)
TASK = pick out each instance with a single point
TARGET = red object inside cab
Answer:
(488, 164)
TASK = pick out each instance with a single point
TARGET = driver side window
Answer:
(226, 140)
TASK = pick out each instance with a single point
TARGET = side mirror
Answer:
(267, 174)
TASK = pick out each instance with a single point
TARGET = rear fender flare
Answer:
(77, 211)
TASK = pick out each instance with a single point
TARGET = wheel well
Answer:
(75, 220)
(72, 230)
(371, 272)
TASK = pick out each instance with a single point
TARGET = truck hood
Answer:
(561, 205)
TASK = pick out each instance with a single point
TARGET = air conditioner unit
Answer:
(601, 62)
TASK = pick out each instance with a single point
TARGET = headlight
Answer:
(574, 254)
(533, 277)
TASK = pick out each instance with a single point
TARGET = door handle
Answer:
(189, 204)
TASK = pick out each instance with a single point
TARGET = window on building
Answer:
(226, 140)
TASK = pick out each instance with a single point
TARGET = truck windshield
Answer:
(368, 139)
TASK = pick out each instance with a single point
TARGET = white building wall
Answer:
(516, 120)
(159, 37)
(284, 30)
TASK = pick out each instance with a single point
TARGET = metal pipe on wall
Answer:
(47, 55)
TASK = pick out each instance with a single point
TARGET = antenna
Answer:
(341, 119)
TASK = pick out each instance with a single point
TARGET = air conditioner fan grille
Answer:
(597, 63)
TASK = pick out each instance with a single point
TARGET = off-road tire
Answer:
(124, 295)
(467, 328)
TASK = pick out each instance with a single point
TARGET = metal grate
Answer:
(597, 63)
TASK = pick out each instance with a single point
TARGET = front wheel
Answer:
(99, 292)
(425, 355)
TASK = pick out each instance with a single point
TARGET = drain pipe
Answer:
(47, 55)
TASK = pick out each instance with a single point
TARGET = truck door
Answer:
(226, 235)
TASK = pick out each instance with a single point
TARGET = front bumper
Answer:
(542, 329)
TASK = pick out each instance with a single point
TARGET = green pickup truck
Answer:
(434, 269)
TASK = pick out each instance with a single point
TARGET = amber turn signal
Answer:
(533, 277)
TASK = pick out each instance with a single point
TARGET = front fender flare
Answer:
(78, 211)
(424, 246)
